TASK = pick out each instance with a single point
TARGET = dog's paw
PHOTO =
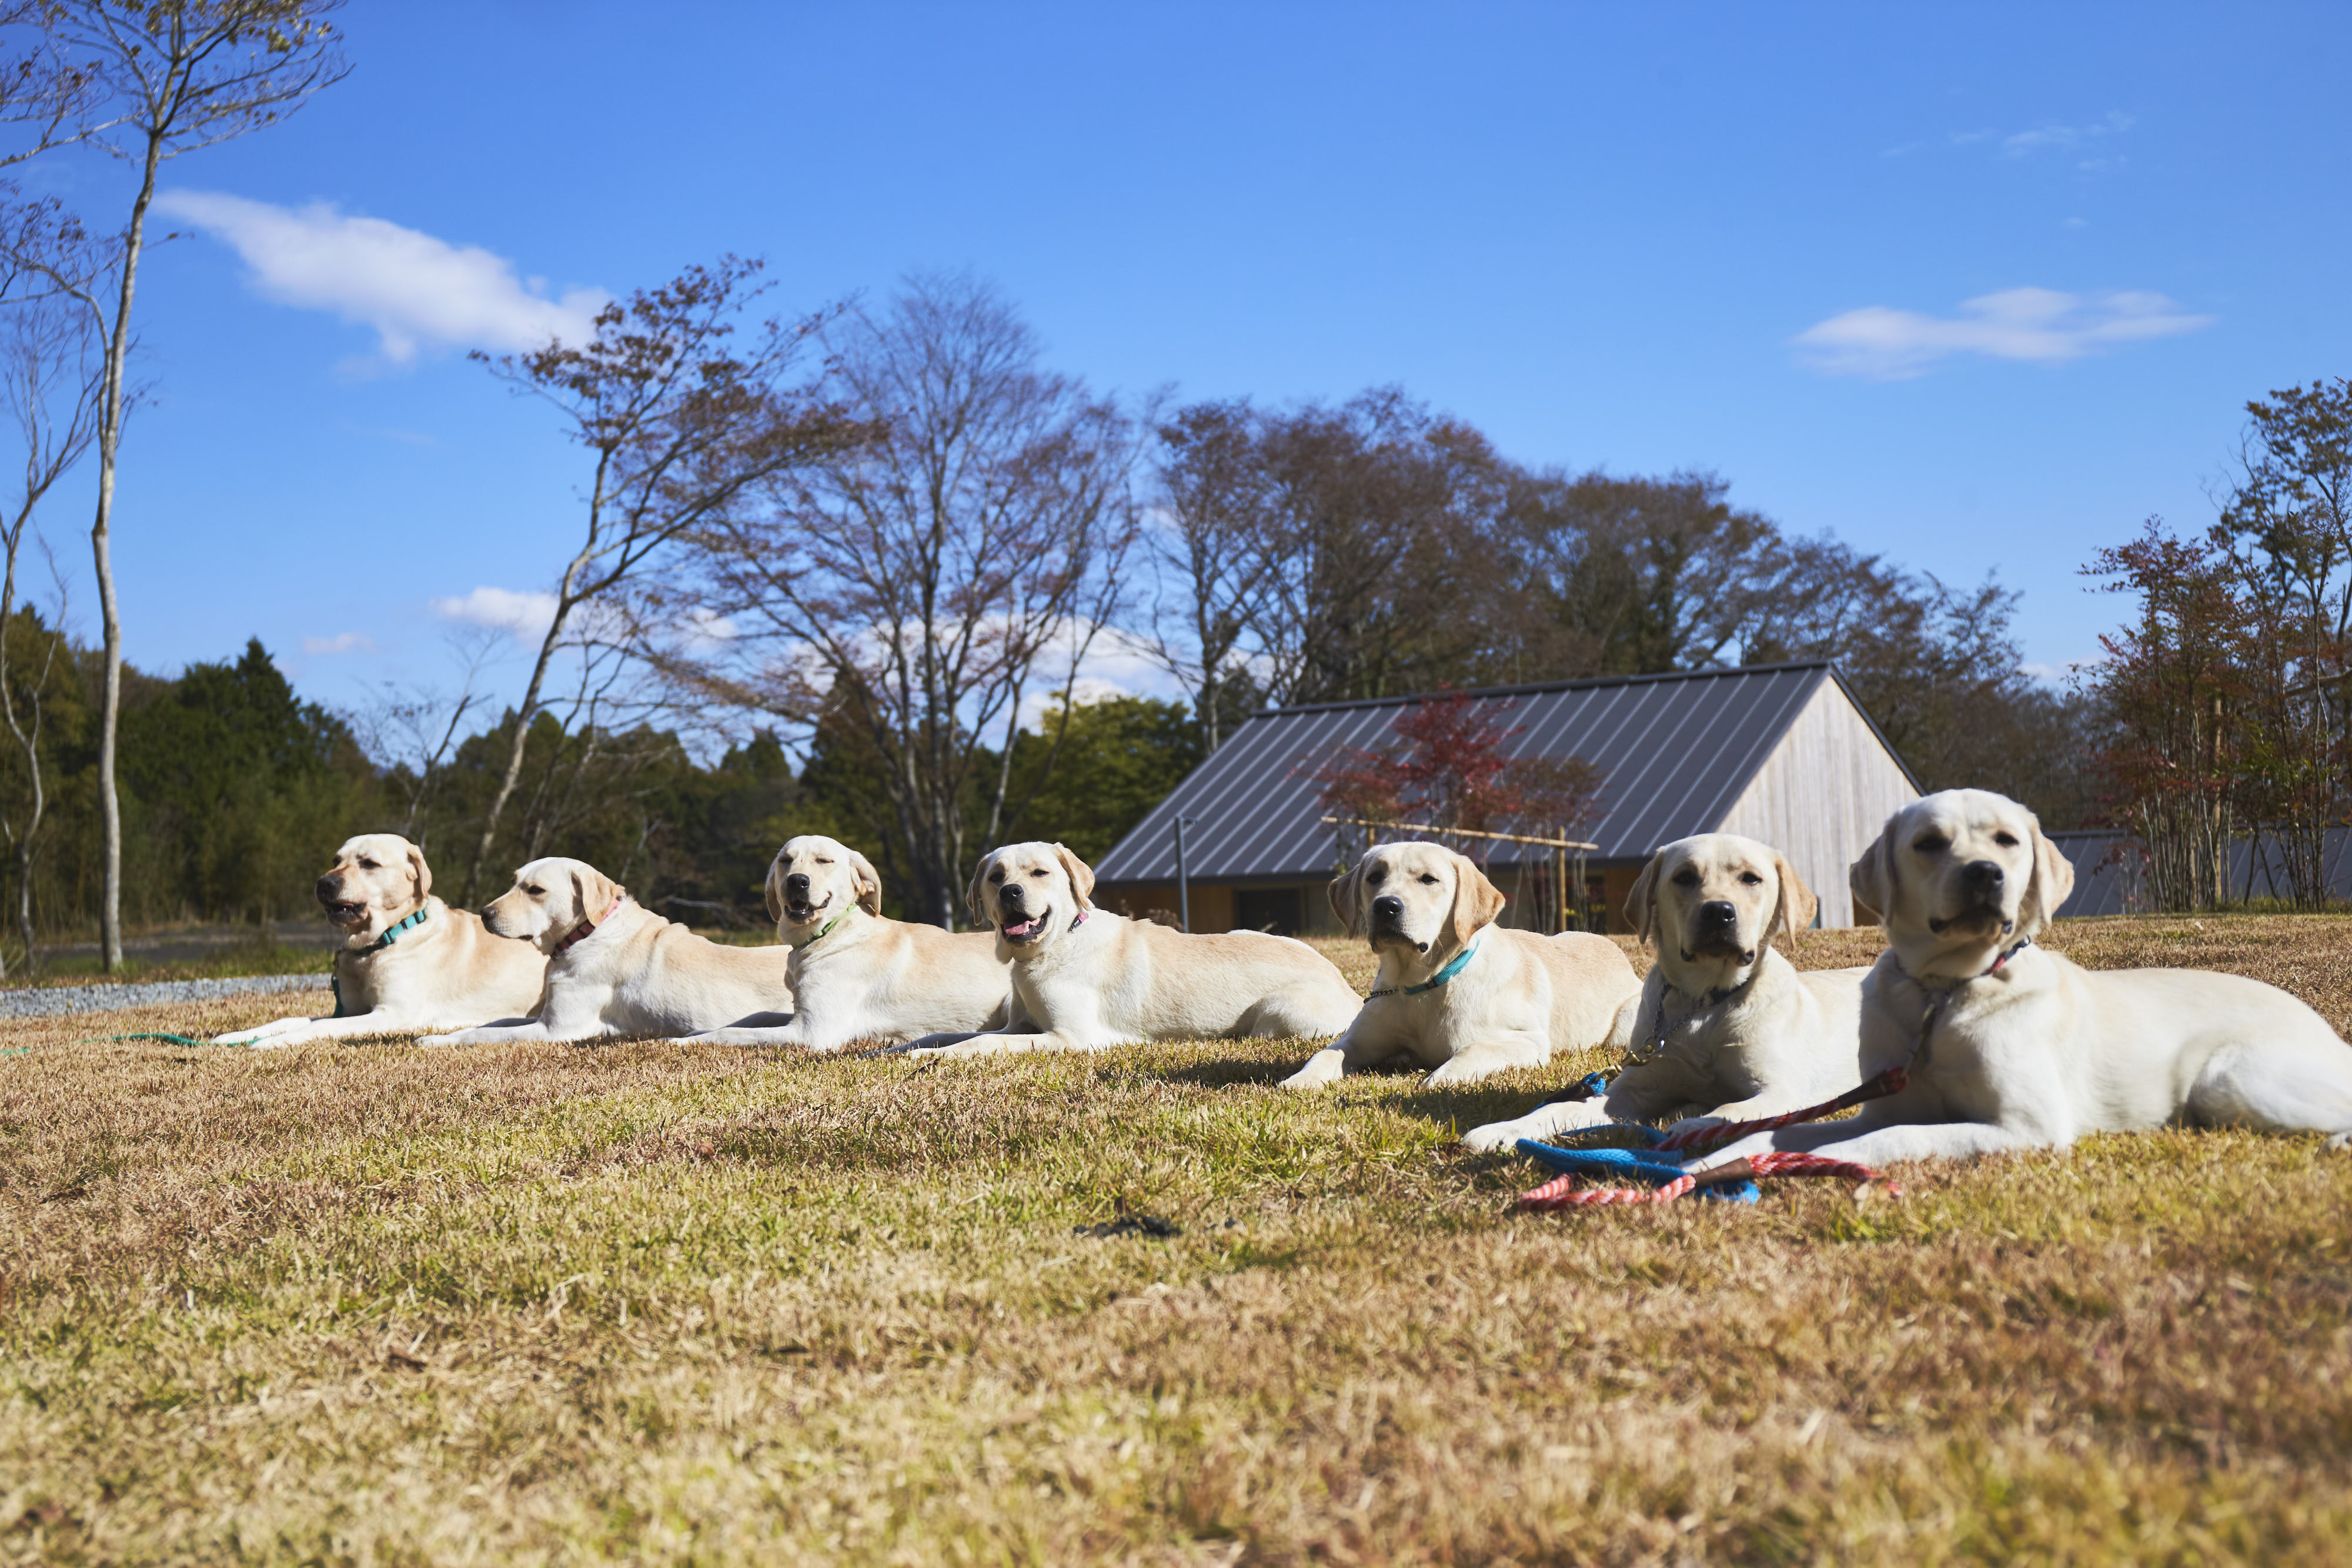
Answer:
(1543, 1121)
(2341, 1143)
(1497, 1135)
(1323, 1068)
(438, 1040)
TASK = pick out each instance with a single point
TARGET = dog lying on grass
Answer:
(1086, 978)
(408, 961)
(855, 975)
(2012, 1047)
(615, 967)
(1724, 1028)
(1455, 992)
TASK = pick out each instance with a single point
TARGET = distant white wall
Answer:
(1822, 795)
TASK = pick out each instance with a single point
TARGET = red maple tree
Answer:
(1447, 768)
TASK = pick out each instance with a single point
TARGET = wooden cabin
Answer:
(1782, 753)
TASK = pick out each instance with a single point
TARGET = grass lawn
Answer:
(645, 1302)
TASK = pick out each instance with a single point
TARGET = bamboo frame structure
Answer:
(1558, 846)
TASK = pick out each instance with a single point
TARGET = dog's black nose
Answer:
(796, 883)
(326, 889)
(1388, 908)
(1984, 874)
(1011, 895)
(1717, 912)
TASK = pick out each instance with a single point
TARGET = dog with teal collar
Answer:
(408, 961)
(1456, 992)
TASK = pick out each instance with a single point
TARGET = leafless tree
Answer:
(1213, 541)
(144, 81)
(1324, 552)
(410, 729)
(915, 590)
(50, 361)
(1639, 576)
(682, 425)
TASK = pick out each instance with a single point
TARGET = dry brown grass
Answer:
(375, 1304)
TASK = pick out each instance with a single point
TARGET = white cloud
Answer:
(2063, 138)
(2041, 326)
(415, 290)
(341, 643)
(707, 629)
(526, 615)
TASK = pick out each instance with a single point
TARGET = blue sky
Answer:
(1980, 288)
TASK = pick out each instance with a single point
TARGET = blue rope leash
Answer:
(1640, 1164)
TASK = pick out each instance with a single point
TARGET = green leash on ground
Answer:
(110, 1039)
(113, 1039)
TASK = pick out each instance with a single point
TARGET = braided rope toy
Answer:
(1734, 1182)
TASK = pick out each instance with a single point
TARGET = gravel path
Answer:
(32, 1003)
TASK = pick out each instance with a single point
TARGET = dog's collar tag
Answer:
(587, 928)
(1716, 998)
(1940, 998)
(1453, 966)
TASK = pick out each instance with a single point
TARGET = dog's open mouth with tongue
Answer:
(346, 911)
(1025, 930)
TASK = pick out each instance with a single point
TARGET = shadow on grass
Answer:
(1228, 1071)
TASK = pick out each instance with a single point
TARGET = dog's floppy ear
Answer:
(775, 893)
(1347, 895)
(1871, 879)
(1798, 905)
(975, 897)
(2053, 880)
(419, 872)
(1476, 901)
(596, 891)
(869, 886)
(1642, 903)
(1081, 876)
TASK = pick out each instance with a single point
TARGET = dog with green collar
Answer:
(1086, 978)
(857, 976)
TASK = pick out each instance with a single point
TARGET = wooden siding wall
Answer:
(1822, 795)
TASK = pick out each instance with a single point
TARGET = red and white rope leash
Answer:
(1559, 1192)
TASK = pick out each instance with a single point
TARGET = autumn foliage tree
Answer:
(1447, 767)
(2174, 686)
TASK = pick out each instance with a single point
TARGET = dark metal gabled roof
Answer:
(1675, 752)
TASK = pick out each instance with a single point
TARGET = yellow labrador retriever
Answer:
(1087, 979)
(2012, 1047)
(615, 967)
(1725, 1029)
(408, 961)
(1455, 992)
(855, 975)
